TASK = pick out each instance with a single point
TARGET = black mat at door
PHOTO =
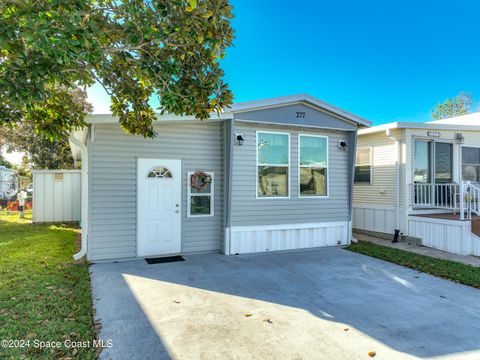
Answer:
(166, 259)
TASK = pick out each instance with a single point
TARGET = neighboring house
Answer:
(422, 179)
(265, 175)
(8, 183)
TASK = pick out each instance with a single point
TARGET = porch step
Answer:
(476, 226)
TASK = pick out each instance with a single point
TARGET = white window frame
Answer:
(190, 194)
(461, 158)
(275, 165)
(371, 166)
(311, 166)
(432, 158)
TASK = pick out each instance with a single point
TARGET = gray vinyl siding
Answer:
(287, 115)
(247, 210)
(112, 180)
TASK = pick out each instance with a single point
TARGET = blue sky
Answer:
(383, 60)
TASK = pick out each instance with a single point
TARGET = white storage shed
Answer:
(56, 195)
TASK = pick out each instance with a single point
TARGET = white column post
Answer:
(462, 201)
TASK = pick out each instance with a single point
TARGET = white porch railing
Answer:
(471, 198)
(463, 197)
(439, 196)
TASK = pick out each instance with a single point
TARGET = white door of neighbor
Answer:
(158, 207)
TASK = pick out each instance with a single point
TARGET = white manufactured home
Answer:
(8, 183)
(423, 180)
(265, 175)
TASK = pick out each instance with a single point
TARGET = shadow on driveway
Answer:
(325, 303)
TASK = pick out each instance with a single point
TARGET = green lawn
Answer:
(455, 271)
(44, 296)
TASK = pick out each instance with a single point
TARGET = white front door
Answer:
(158, 207)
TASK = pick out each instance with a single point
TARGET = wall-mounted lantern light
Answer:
(342, 145)
(459, 139)
(239, 138)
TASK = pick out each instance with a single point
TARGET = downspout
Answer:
(352, 148)
(84, 197)
(397, 180)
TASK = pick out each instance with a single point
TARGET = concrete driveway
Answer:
(322, 304)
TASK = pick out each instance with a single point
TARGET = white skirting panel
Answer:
(448, 235)
(251, 239)
(374, 218)
(475, 245)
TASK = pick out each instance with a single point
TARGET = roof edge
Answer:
(248, 106)
(289, 99)
(417, 125)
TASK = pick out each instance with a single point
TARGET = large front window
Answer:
(471, 164)
(313, 165)
(273, 161)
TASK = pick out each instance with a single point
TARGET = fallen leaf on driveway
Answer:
(346, 329)
(269, 321)
(248, 315)
(176, 301)
(372, 354)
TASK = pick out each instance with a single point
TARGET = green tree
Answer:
(5, 162)
(42, 151)
(134, 48)
(459, 105)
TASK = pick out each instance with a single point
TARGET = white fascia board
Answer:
(249, 106)
(109, 118)
(419, 125)
(81, 135)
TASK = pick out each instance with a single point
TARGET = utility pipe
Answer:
(84, 197)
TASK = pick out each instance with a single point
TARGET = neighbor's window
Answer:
(313, 165)
(363, 166)
(272, 164)
(200, 194)
(471, 164)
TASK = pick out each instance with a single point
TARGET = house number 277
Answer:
(300, 114)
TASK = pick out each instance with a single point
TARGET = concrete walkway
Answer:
(418, 249)
(318, 304)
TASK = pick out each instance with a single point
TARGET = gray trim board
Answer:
(352, 146)
(229, 144)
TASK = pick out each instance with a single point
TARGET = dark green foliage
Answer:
(134, 48)
(42, 151)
